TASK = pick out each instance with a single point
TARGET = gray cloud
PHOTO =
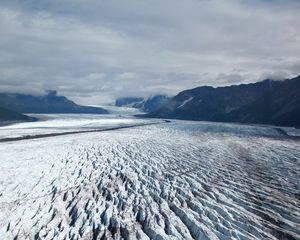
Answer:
(94, 51)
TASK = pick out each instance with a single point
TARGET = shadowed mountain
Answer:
(266, 102)
(50, 103)
(128, 101)
(8, 116)
(145, 104)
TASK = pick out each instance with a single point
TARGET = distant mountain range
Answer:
(265, 102)
(144, 104)
(50, 103)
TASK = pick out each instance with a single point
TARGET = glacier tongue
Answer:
(152, 182)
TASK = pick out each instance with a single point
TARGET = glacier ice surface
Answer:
(178, 180)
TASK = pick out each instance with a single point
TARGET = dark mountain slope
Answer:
(154, 102)
(128, 101)
(267, 102)
(11, 116)
(50, 103)
(145, 104)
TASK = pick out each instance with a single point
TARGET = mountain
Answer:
(128, 101)
(145, 104)
(50, 103)
(7, 116)
(265, 102)
(154, 102)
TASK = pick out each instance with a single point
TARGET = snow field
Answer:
(153, 182)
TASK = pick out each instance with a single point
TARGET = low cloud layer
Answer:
(94, 51)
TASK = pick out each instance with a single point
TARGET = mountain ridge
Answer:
(8, 116)
(264, 102)
(50, 103)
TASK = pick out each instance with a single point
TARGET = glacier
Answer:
(169, 180)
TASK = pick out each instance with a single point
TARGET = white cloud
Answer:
(94, 51)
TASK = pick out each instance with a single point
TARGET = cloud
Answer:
(94, 51)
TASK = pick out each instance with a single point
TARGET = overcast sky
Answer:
(96, 50)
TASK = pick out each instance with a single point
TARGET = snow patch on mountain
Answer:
(185, 102)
